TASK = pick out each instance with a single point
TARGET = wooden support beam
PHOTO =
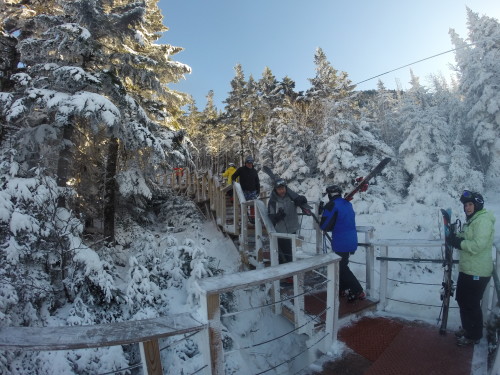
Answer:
(150, 355)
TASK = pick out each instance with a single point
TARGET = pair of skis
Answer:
(448, 288)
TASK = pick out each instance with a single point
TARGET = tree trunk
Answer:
(63, 173)
(110, 191)
(63, 162)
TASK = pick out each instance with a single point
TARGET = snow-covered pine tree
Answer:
(271, 95)
(479, 78)
(462, 174)
(235, 116)
(87, 98)
(328, 84)
(253, 119)
(290, 151)
(381, 114)
(427, 143)
(345, 148)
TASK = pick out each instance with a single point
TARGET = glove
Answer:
(364, 188)
(321, 207)
(300, 200)
(280, 215)
(455, 241)
(306, 211)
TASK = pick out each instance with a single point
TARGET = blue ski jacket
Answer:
(339, 217)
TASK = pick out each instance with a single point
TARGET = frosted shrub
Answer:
(142, 293)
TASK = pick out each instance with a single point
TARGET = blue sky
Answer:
(363, 38)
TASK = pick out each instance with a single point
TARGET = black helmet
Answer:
(333, 190)
(279, 182)
(249, 159)
(474, 197)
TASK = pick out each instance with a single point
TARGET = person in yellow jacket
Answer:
(228, 173)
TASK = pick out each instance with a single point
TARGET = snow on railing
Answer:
(146, 333)
(213, 287)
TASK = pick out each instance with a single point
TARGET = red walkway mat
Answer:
(383, 346)
(369, 337)
(419, 350)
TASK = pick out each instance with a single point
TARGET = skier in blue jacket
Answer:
(338, 217)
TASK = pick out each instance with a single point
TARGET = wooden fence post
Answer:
(213, 349)
(332, 305)
(384, 270)
(150, 356)
(370, 262)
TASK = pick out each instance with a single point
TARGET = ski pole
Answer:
(317, 222)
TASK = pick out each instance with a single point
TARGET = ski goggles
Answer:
(280, 183)
(471, 195)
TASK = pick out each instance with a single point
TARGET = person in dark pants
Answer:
(248, 179)
(475, 266)
(338, 217)
(282, 210)
(250, 183)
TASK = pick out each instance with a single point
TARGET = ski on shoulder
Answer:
(375, 171)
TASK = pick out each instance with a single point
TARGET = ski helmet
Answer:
(473, 197)
(333, 190)
(279, 182)
(231, 165)
(249, 159)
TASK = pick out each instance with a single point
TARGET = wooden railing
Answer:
(143, 332)
(215, 286)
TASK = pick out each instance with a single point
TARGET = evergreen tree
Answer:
(85, 114)
(291, 150)
(427, 142)
(345, 147)
(252, 104)
(235, 116)
(381, 112)
(271, 95)
(328, 85)
(479, 78)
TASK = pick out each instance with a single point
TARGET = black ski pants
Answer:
(285, 250)
(470, 291)
(347, 280)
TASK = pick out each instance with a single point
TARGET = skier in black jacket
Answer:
(249, 179)
(250, 184)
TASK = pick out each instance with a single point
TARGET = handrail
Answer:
(214, 286)
(95, 336)
(144, 332)
(240, 280)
